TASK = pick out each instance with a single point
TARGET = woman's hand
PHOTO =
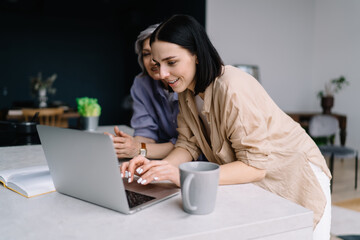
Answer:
(148, 171)
(125, 145)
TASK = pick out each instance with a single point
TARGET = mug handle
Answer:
(186, 192)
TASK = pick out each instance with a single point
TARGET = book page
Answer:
(29, 182)
(6, 174)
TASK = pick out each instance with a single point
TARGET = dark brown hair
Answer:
(186, 32)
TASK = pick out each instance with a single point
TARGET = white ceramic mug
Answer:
(199, 182)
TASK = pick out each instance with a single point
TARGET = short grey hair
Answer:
(145, 34)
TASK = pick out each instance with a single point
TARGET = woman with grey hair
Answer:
(155, 108)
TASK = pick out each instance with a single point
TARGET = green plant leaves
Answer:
(333, 86)
(88, 107)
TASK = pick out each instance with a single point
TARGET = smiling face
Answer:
(177, 66)
(149, 65)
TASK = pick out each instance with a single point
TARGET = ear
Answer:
(197, 61)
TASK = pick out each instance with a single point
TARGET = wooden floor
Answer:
(344, 181)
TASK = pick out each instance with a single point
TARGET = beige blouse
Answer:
(246, 125)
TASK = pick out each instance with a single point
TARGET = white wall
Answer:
(298, 45)
(337, 52)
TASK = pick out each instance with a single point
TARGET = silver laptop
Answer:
(84, 165)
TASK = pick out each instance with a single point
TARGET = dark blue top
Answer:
(154, 114)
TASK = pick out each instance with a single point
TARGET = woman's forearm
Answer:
(155, 150)
(238, 172)
(178, 156)
(158, 150)
(144, 139)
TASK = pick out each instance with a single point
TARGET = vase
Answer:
(89, 123)
(327, 103)
(42, 98)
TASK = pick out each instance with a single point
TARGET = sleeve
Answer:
(173, 140)
(142, 120)
(246, 120)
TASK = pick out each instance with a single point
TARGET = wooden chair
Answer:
(47, 116)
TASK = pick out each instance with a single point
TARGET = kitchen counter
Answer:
(242, 211)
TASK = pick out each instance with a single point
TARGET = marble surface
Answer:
(242, 211)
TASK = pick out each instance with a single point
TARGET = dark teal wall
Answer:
(89, 44)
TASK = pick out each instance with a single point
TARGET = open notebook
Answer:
(29, 182)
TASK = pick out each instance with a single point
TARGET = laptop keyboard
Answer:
(136, 199)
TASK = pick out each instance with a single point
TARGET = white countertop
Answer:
(242, 211)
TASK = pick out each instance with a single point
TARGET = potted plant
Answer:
(40, 88)
(89, 111)
(327, 96)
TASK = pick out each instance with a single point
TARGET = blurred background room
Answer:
(296, 46)
(297, 49)
(89, 44)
